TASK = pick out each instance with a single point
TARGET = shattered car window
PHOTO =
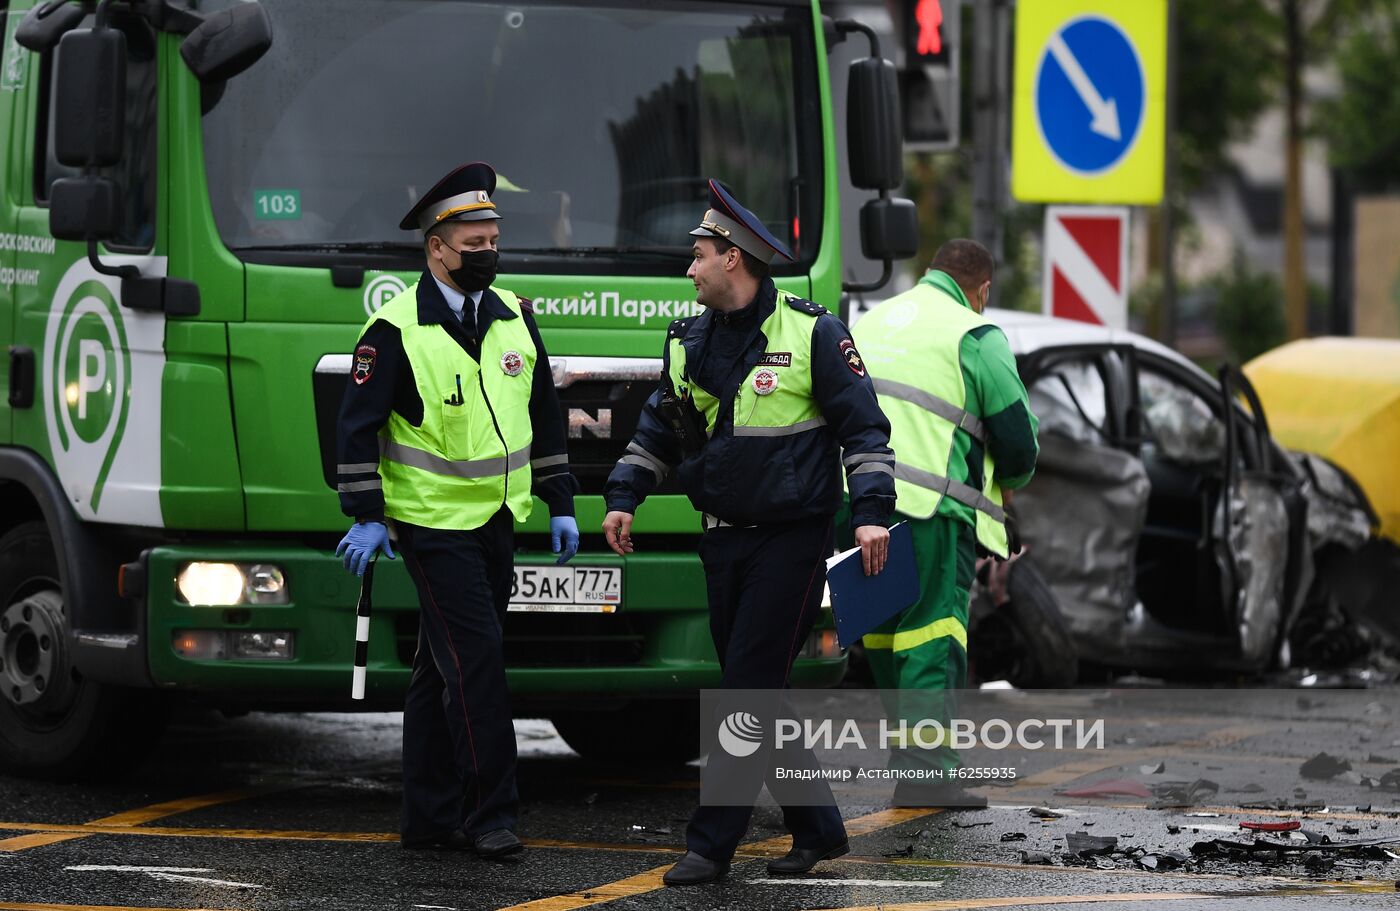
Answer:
(1069, 400)
(1179, 422)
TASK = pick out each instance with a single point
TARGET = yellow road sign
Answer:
(1090, 93)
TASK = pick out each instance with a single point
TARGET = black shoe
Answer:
(497, 843)
(950, 797)
(800, 860)
(692, 870)
(456, 840)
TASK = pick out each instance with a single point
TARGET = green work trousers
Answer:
(919, 656)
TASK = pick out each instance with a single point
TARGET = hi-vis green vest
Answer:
(912, 345)
(787, 406)
(468, 458)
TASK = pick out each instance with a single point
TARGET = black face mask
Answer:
(477, 271)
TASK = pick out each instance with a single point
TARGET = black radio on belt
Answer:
(682, 420)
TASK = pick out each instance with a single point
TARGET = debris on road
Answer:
(1324, 766)
(1037, 857)
(1085, 845)
(1013, 836)
(1118, 787)
(1172, 794)
(1289, 826)
(1046, 813)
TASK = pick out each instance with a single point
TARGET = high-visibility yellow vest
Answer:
(469, 457)
(912, 344)
(775, 399)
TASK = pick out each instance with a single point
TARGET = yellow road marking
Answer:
(861, 825)
(53, 834)
(21, 906)
(650, 880)
(646, 881)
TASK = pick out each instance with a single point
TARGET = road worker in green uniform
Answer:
(963, 434)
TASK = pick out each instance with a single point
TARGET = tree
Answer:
(1226, 76)
(1362, 124)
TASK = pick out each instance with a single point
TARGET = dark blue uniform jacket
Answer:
(759, 480)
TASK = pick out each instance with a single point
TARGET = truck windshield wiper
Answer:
(676, 252)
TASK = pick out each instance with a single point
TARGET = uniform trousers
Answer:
(919, 657)
(765, 588)
(458, 739)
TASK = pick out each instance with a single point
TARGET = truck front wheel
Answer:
(54, 723)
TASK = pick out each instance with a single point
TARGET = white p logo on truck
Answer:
(89, 372)
(103, 367)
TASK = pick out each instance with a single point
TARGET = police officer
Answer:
(759, 397)
(450, 422)
(964, 433)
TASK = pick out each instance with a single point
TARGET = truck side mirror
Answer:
(90, 90)
(227, 42)
(43, 25)
(889, 229)
(84, 208)
(873, 137)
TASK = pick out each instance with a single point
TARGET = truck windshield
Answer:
(602, 119)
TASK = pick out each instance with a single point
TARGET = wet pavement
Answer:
(301, 811)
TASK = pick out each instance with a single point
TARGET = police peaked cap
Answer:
(463, 195)
(732, 222)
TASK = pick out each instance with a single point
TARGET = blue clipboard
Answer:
(860, 602)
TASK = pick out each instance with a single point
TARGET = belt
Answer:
(709, 523)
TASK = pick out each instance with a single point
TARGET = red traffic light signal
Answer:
(929, 31)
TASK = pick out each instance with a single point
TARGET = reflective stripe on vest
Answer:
(470, 456)
(945, 409)
(453, 468)
(912, 346)
(965, 494)
(787, 408)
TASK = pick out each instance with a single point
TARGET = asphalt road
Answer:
(301, 811)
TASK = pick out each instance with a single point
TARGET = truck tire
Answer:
(1024, 641)
(54, 724)
(646, 731)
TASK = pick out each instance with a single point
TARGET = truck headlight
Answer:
(228, 584)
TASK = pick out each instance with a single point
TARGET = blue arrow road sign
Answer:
(1089, 94)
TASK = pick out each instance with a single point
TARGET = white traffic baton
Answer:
(362, 612)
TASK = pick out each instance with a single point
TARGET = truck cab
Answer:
(199, 207)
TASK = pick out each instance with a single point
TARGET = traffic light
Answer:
(928, 78)
(930, 31)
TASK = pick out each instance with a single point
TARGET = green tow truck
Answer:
(197, 214)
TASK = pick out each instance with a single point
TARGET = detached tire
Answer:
(643, 732)
(1024, 641)
(54, 724)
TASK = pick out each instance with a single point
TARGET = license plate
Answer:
(567, 589)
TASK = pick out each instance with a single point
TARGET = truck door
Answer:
(98, 363)
(14, 65)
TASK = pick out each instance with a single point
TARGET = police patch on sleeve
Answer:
(852, 356)
(364, 364)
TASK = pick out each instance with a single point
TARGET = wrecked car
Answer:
(1175, 535)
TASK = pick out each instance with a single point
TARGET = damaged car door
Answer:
(1082, 515)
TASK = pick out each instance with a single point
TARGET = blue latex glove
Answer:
(359, 544)
(566, 529)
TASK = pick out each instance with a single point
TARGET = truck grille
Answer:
(600, 399)
(551, 640)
